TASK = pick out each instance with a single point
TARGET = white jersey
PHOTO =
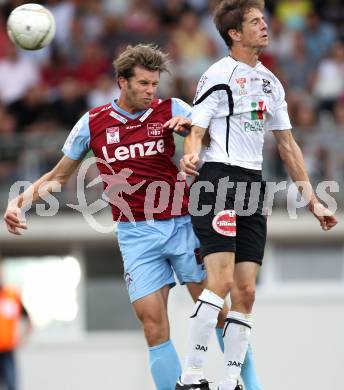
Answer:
(238, 103)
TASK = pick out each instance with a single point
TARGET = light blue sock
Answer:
(165, 366)
(248, 371)
(220, 338)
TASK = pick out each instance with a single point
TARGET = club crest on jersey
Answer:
(266, 86)
(112, 135)
(155, 129)
(242, 85)
(224, 223)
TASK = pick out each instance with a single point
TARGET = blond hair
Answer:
(149, 57)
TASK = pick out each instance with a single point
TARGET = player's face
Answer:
(141, 89)
(254, 32)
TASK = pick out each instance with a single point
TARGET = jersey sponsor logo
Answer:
(258, 110)
(234, 363)
(132, 127)
(255, 126)
(112, 135)
(258, 116)
(266, 86)
(121, 153)
(242, 85)
(224, 223)
(118, 117)
(201, 348)
(155, 129)
(146, 115)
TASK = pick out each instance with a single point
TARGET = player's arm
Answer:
(74, 149)
(181, 117)
(47, 183)
(293, 160)
(192, 149)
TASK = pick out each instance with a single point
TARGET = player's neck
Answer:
(126, 106)
(245, 55)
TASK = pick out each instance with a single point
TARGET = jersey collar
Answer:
(125, 113)
(251, 67)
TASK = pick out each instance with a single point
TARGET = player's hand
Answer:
(188, 164)
(324, 216)
(179, 124)
(14, 220)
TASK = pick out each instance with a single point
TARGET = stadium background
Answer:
(71, 275)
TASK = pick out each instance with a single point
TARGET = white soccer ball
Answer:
(31, 26)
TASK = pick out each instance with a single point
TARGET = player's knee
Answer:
(221, 284)
(246, 295)
(156, 332)
(225, 286)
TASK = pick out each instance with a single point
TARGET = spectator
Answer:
(104, 91)
(319, 37)
(31, 109)
(194, 47)
(281, 40)
(64, 12)
(17, 75)
(71, 103)
(298, 76)
(171, 11)
(293, 12)
(329, 79)
(93, 64)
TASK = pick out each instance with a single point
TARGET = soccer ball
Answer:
(31, 26)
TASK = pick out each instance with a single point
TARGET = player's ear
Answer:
(235, 35)
(122, 82)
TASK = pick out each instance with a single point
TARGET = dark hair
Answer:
(149, 57)
(229, 14)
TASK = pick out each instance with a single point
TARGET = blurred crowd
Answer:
(43, 93)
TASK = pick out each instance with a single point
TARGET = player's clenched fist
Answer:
(14, 220)
(188, 164)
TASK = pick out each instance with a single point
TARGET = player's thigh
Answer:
(146, 269)
(153, 307)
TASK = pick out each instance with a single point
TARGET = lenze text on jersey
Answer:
(121, 153)
(254, 126)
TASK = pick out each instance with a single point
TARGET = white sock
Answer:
(228, 384)
(203, 323)
(236, 335)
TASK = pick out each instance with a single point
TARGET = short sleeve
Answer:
(180, 108)
(279, 120)
(78, 141)
(207, 99)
